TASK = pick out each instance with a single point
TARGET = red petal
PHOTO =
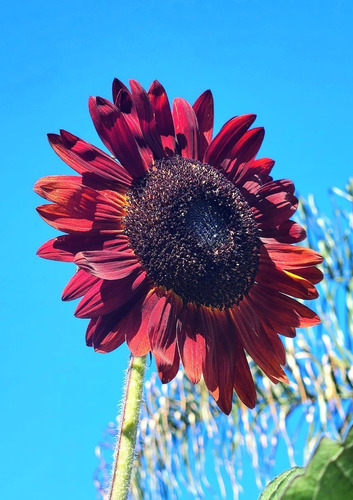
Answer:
(79, 209)
(119, 244)
(262, 166)
(274, 209)
(274, 339)
(250, 170)
(108, 264)
(61, 219)
(274, 277)
(116, 87)
(257, 343)
(284, 309)
(164, 120)
(312, 274)
(117, 136)
(218, 367)
(126, 105)
(243, 152)
(54, 251)
(79, 284)
(107, 296)
(70, 192)
(226, 138)
(146, 117)
(255, 169)
(273, 187)
(256, 192)
(186, 128)
(290, 257)
(287, 232)
(272, 324)
(204, 112)
(64, 248)
(90, 331)
(83, 157)
(243, 381)
(102, 334)
(167, 372)
(191, 343)
(136, 322)
(162, 336)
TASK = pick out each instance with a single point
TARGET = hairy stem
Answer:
(129, 418)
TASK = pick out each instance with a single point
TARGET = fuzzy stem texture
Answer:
(129, 418)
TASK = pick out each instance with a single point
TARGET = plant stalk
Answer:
(129, 419)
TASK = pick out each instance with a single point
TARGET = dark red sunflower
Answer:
(184, 244)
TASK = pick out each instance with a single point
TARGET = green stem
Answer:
(125, 445)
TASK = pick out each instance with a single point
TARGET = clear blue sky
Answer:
(289, 61)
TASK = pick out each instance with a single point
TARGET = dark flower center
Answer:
(194, 232)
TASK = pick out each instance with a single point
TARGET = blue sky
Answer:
(290, 62)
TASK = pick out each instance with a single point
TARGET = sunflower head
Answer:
(183, 242)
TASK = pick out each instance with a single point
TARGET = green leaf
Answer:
(328, 475)
(274, 489)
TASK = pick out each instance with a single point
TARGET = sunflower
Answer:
(183, 243)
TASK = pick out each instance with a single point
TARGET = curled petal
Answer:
(117, 135)
(108, 264)
(256, 169)
(79, 284)
(61, 219)
(287, 232)
(117, 86)
(102, 333)
(108, 296)
(227, 138)
(242, 154)
(273, 187)
(147, 120)
(64, 248)
(126, 105)
(164, 120)
(275, 209)
(204, 111)
(186, 128)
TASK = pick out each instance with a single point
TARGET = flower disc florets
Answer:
(193, 232)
